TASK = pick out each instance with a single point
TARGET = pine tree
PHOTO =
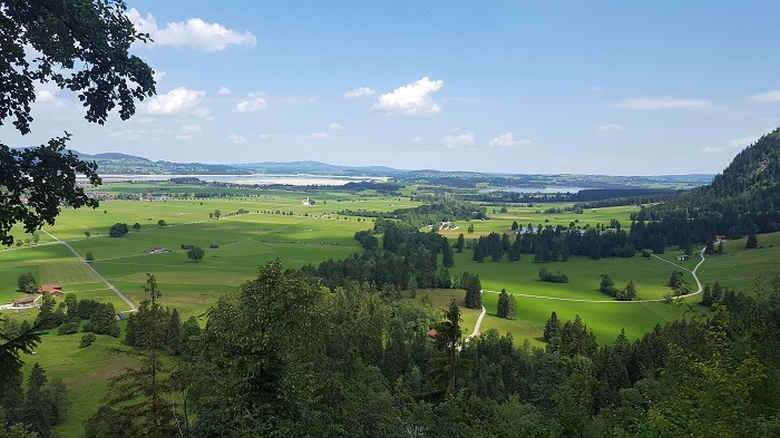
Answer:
(448, 260)
(460, 243)
(139, 399)
(552, 329)
(752, 241)
(473, 287)
(706, 296)
(503, 304)
(511, 312)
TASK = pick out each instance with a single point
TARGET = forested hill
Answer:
(754, 172)
(742, 200)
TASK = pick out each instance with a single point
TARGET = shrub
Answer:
(68, 328)
(87, 340)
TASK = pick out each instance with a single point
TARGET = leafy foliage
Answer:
(118, 230)
(82, 47)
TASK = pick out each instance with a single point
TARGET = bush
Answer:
(87, 340)
(68, 328)
(118, 230)
(546, 275)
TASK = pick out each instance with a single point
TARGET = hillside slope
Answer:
(744, 199)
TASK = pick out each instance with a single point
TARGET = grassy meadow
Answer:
(276, 224)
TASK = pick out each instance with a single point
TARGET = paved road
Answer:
(133, 307)
(476, 332)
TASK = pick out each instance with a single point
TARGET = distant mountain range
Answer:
(113, 163)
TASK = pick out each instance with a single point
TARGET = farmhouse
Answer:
(682, 258)
(26, 302)
(54, 290)
(306, 201)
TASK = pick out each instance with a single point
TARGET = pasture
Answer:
(276, 224)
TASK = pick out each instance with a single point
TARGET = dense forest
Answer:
(284, 357)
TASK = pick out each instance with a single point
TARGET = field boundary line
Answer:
(133, 307)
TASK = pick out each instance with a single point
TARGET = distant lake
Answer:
(256, 179)
(535, 189)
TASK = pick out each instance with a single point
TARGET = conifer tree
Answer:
(552, 329)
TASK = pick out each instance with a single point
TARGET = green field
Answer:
(276, 224)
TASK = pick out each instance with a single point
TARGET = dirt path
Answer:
(578, 300)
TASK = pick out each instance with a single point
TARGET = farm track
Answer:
(578, 300)
(132, 305)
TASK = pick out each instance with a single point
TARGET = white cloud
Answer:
(194, 33)
(712, 149)
(741, 142)
(661, 103)
(254, 103)
(769, 96)
(316, 136)
(336, 126)
(412, 99)
(359, 92)
(596, 89)
(611, 127)
(47, 97)
(158, 76)
(186, 132)
(508, 140)
(224, 90)
(417, 139)
(459, 138)
(181, 101)
(237, 139)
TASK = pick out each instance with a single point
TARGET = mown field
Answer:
(277, 225)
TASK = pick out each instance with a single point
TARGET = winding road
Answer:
(132, 305)
(692, 271)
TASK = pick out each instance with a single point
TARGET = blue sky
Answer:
(583, 87)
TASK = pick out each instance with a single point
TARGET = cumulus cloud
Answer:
(224, 90)
(611, 127)
(181, 101)
(46, 97)
(336, 126)
(237, 139)
(741, 142)
(508, 140)
(359, 92)
(712, 149)
(186, 132)
(661, 103)
(769, 96)
(194, 33)
(417, 139)
(456, 137)
(412, 99)
(255, 102)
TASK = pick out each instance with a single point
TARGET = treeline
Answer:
(584, 199)
(285, 358)
(549, 244)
